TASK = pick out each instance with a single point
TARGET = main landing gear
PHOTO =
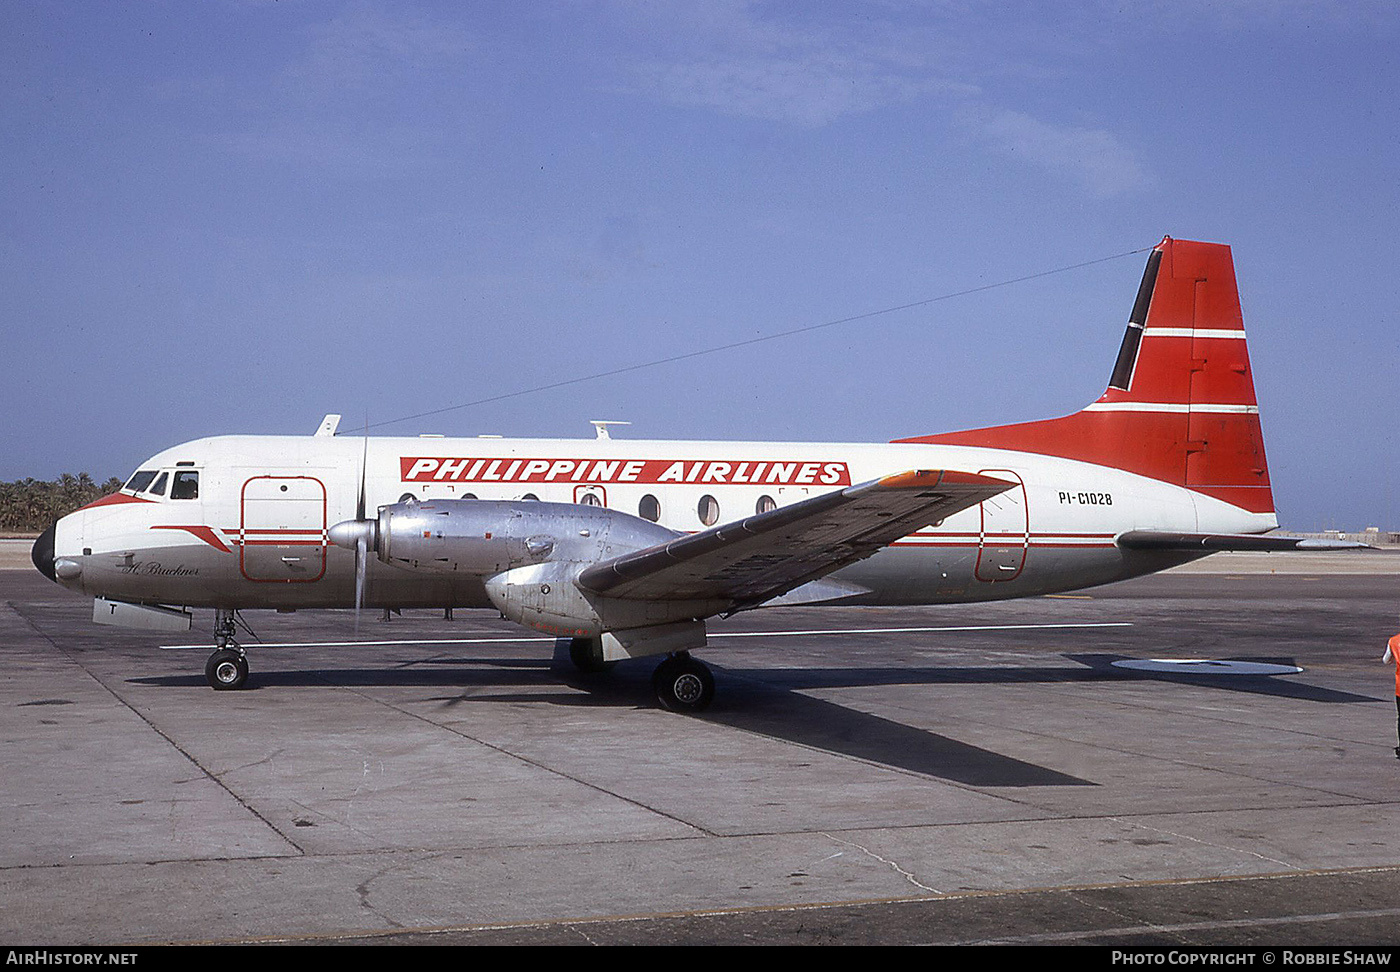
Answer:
(227, 667)
(683, 684)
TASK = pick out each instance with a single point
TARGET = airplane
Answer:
(624, 548)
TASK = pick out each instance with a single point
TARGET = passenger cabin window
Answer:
(649, 508)
(186, 485)
(764, 504)
(159, 486)
(140, 480)
(708, 510)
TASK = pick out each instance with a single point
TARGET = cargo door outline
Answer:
(1005, 531)
(282, 529)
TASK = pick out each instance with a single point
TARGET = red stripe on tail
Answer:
(1180, 405)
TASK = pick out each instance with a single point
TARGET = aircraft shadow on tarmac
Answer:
(771, 702)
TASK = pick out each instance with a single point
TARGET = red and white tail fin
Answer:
(1180, 404)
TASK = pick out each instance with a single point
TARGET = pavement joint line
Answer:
(204, 771)
(908, 876)
(1082, 898)
(338, 818)
(581, 934)
(744, 835)
(524, 759)
(362, 890)
(1206, 843)
(1072, 889)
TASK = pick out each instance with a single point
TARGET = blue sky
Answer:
(236, 217)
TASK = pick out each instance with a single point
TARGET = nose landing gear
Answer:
(227, 667)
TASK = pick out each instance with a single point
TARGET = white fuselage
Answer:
(255, 535)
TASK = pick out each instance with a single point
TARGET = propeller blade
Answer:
(364, 461)
(361, 556)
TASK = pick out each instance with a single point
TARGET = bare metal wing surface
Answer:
(1163, 540)
(768, 554)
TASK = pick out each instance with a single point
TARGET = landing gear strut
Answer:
(227, 667)
(683, 684)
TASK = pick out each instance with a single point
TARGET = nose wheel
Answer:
(227, 667)
(683, 684)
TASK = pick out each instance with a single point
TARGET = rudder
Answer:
(1180, 406)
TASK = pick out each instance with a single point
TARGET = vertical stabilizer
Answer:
(1180, 403)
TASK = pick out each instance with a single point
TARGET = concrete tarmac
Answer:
(988, 779)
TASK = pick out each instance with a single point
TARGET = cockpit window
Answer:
(158, 488)
(186, 485)
(140, 480)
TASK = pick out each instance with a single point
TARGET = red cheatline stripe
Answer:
(285, 542)
(115, 499)
(202, 532)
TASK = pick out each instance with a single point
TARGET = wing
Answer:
(1159, 540)
(769, 554)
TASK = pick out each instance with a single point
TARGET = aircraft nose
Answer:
(42, 553)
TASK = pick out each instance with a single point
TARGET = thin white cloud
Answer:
(808, 90)
(1094, 158)
(367, 45)
(742, 58)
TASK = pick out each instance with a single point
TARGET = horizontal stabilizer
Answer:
(1180, 406)
(766, 555)
(1158, 540)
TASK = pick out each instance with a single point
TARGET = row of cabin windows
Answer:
(649, 507)
(185, 485)
(707, 509)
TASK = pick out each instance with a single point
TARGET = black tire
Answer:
(226, 670)
(683, 684)
(587, 655)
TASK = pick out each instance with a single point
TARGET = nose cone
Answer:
(349, 534)
(42, 553)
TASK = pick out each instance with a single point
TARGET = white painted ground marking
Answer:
(717, 634)
(1192, 926)
(1205, 666)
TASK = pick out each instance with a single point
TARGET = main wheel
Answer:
(683, 684)
(226, 669)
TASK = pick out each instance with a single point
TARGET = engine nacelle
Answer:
(530, 554)
(545, 597)
(486, 537)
